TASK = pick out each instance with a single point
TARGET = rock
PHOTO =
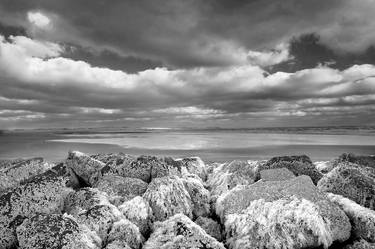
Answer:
(84, 199)
(211, 227)
(366, 161)
(281, 214)
(55, 231)
(138, 211)
(168, 196)
(228, 175)
(121, 188)
(16, 172)
(351, 181)
(165, 167)
(139, 168)
(299, 165)
(199, 195)
(278, 174)
(361, 244)
(84, 167)
(43, 194)
(113, 159)
(117, 245)
(324, 166)
(361, 218)
(125, 232)
(100, 219)
(180, 232)
(194, 165)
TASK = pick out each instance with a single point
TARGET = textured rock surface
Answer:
(84, 167)
(41, 194)
(126, 232)
(199, 195)
(228, 175)
(121, 188)
(168, 196)
(180, 232)
(361, 244)
(55, 232)
(281, 214)
(211, 227)
(84, 199)
(100, 219)
(18, 171)
(138, 211)
(366, 161)
(280, 174)
(194, 165)
(362, 219)
(351, 181)
(117, 245)
(299, 165)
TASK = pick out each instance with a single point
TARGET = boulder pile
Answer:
(118, 201)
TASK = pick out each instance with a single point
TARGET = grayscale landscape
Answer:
(187, 124)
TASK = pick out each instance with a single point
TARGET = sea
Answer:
(211, 144)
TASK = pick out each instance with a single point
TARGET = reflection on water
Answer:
(215, 140)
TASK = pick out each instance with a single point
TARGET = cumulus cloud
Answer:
(38, 19)
(35, 79)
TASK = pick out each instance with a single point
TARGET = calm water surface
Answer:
(211, 145)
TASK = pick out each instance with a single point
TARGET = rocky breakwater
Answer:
(114, 201)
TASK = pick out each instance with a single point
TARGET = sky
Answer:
(186, 63)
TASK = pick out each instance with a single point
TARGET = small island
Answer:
(117, 201)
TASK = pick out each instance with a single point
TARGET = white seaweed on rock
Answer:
(194, 165)
(362, 219)
(168, 196)
(285, 223)
(138, 211)
(238, 205)
(199, 195)
(180, 232)
(126, 232)
(228, 175)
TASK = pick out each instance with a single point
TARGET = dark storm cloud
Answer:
(199, 33)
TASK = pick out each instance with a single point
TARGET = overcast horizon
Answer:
(214, 63)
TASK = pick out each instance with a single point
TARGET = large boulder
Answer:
(168, 196)
(43, 194)
(55, 231)
(211, 227)
(361, 218)
(299, 165)
(18, 171)
(228, 175)
(84, 168)
(84, 199)
(180, 232)
(278, 174)
(138, 211)
(281, 214)
(199, 195)
(100, 219)
(125, 232)
(351, 181)
(121, 188)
